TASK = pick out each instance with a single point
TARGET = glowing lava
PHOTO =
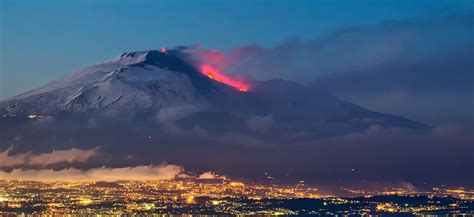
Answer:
(215, 74)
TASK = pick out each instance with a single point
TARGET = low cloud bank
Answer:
(72, 155)
(210, 175)
(139, 173)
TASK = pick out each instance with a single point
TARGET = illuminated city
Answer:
(217, 197)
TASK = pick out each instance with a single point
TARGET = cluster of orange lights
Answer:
(217, 75)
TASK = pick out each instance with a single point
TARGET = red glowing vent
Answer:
(217, 75)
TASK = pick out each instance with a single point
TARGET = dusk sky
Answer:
(44, 40)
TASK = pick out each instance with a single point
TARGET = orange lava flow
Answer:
(216, 75)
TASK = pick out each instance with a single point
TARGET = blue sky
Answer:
(44, 40)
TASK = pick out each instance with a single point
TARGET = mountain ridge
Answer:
(145, 82)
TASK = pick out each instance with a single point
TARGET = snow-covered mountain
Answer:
(141, 84)
(129, 84)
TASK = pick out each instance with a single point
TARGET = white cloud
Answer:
(57, 156)
(210, 175)
(139, 173)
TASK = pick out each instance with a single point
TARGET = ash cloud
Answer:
(354, 50)
(423, 67)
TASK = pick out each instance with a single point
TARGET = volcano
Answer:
(149, 107)
(140, 85)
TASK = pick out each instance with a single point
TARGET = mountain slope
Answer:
(125, 85)
(142, 84)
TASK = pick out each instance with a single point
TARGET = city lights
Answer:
(217, 197)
